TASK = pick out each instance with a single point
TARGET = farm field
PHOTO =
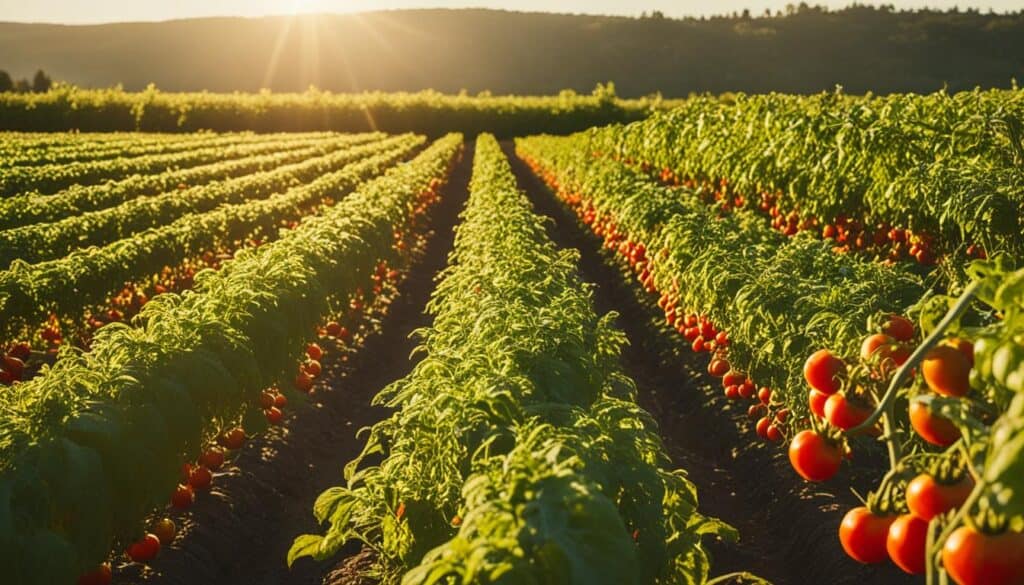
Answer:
(763, 339)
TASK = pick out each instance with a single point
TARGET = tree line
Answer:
(41, 83)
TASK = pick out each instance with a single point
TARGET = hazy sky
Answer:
(89, 11)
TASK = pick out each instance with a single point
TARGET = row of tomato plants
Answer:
(28, 152)
(925, 495)
(48, 241)
(932, 175)
(13, 143)
(30, 208)
(47, 304)
(54, 177)
(94, 442)
(517, 452)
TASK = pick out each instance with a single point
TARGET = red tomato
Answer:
(733, 378)
(732, 392)
(762, 427)
(280, 401)
(201, 478)
(233, 439)
(99, 576)
(145, 549)
(816, 400)
(314, 351)
(698, 344)
(765, 395)
(963, 346)
(782, 415)
(333, 328)
(863, 535)
(756, 411)
(691, 333)
(718, 367)
(947, 371)
(975, 558)
(303, 382)
(875, 343)
(183, 496)
(266, 399)
(899, 328)
(774, 433)
(722, 338)
(274, 415)
(813, 456)
(906, 543)
(933, 428)
(213, 458)
(747, 389)
(843, 414)
(313, 368)
(14, 366)
(927, 498)
(22, 350)
(823, 371)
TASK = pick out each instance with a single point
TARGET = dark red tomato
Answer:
(314, 351)
(933, 428)
(313, 368)
(14, 366)
(212, 458)
(927, 498)
(718, 367)
(863, 535)
(201, 478)
(99, 576)
(333, 328)
(774, 433)
(747, 389)
(844, 414)
(274, 415)
(280, 401)
(732, 392)
(906, 543)
(22, 350)
(266, 399)
(765, 395)
(303, 382)
(756, 411)
(782, 415)
(813, 456)
(816, 400)
(899, 328)
(947, 371)
(183, 496)
(975, 558)
(698, 344)
(145, 549)
(823, 371)
(233, 439)
(762, 427)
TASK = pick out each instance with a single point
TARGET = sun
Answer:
(299, 6)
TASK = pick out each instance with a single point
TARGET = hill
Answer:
(809, 50)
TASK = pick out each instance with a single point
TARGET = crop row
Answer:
(517, 451)
(93, 443)
(40, 242)
(53, 177)
(67, 287)
(905, 176)
(30, 208)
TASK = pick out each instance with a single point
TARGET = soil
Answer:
(240, 533)
(788, 527)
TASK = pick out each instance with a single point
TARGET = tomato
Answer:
(145, 549)
(183, 496)
(816, 400)
(732, 392)
(274, 415)
(773, 433)
(975, 558)
(344, 334)
(14, 366)
(863, 535)
(233, 439)
(947, 371)
(266, 399)
(765, 395)
(963, 346)
(906, 543)
(333, 328)
(762, 427)
(280, 401)
(101, 575)
(303, 382)
(698, 344)
(314, 351)
(843, 414)
(782, 415)
(927, 498)
(213, 458)
(691, 333)
(201, 478)
(899, 328)
(823, 371)
(313, 368)
(756, 411)
(165, 531)
(933, 428)
(718, 367)
(22, 350)
(875, 343)
(722, 338)
(814, 457)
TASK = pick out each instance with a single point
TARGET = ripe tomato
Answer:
(266, 399)
(145, 549)
(813, 456)
(280, 401)
(747, 389)
(201, 478)
(333, 328)
(823, 371)
(765, 395)
(774, 433)
(722, 338)
(165, 531)
(816, 400)
(313, 368)
(933, 428)
(183, 496)
(863, 535)
(762, 427)
(844, 414)
(303, 382)
(947, 371)
(274, 415)
(875, 343)
(927, 498)
(733, 378)
(718, 367)
(213, 458)
(233, 439)
(975, 558)
(756, 411)
(14, 366)
(732, 392)
(99, 576)
(963, 346)
(691, 333)
(314, 351)
(899, 328)
(22, 350)
(782, 415)
(698, 345)
(906, 543)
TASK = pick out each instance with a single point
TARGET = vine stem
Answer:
(885, 407)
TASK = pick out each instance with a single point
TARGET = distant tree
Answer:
(6, 83)
(41, 83)
(657, 15)
(22, 86)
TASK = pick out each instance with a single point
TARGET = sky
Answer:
(94, 11)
